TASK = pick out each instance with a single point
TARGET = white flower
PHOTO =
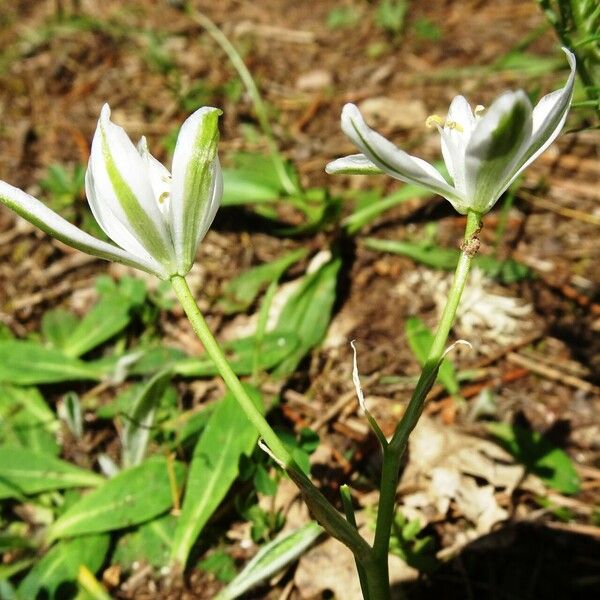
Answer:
(155, 218)
(484, 154)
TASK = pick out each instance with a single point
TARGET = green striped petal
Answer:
(196, 185)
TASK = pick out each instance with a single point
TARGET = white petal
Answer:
(392, 160)
(121, 181)
(495, 144)
(354, 164)
(454, 137)
(195, 171)
(215, 201)
(160, 179)
(549, 116)
(39, 214)
(108, 221)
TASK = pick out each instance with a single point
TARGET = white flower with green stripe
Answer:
(155, 218)
(484, 150)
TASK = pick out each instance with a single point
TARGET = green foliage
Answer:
(506, 271)
(241, 291)
(215, 466)
(271, 558)
(420, 340)
(391, 14)
(27, 421)
(577, 24)
(151, 542)
(64, 187)
(133, 496)
(427, 30)
(139, 419)
(343, 17)
(308, 312)
(416, 550)
(540, 457)
(220, 564)
(27, 472)
(54, 575)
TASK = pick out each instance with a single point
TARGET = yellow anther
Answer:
(478, 110)
(435, 121)
(163, 197)
(454, 125)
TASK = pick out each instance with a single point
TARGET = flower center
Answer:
(437, 121)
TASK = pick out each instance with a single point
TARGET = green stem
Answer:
(392, 455)
(322, 510)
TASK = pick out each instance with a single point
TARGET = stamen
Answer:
(454, 125)
(164, 196)
(434, 121)
(478, 110)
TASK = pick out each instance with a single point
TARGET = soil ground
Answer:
(544, 367)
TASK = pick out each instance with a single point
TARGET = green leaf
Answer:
(61, 566)
(57, 326)
(539, 456)
(368, 212)
(271, 558)
(32, 473)
(151, 542)
(140, 418)
(506, 271)
(420, 340)
(26, 420)
(308, 313)
(274, 347)
(263, 483)
(214, 467)
(28, 363)
(133, 496)
(107, 318)
(241, 291)
(220, 564)
(253, 179)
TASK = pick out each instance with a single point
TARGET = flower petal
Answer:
(549, 116)
(120, 180)
(109, 223)
(496, 142)
(41, 216)
(160, 179)
(454, 137)
(354, 164)
(195, 180)
(393, 161)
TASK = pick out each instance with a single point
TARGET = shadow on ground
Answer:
(519, 562)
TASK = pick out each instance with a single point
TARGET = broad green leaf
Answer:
(253, 179)
(275, 347)
(271, 558)
(542, 458)
(28, 363)
(308, 313)
(57, 326)
(365, 214)
(60, 565)
(506, 271)
(151, 542)
(420, 340)
(32, 473)
(133, 496)
(214, 467)
(241, 291)
(26, 420)
(139, 419)
(107, 318)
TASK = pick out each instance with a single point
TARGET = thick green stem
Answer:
(392, 454)
(322, 510)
